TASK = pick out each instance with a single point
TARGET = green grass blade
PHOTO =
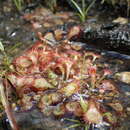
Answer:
(82, 18)
(18, 4)
(83, 104)
(88, 8)
(102, 1)
(7, 107)
(77, 6)
(87, 127)
(10, 50)
(72, 120)
(73, 126)
(1, 46)
(83, 6)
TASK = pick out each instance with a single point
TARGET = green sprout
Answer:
(83, 104)
(77, 123)
(18, 4)
(83, 10)
(6, 62)
(5, 65)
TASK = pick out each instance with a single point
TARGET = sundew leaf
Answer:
(1, 46)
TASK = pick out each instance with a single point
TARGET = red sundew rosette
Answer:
(73, 54)
(92, 73)
(93, 114)
(47, 59)
(34, 69)
(56, 97)
(74, 108)
(45, 63)
(59, 69)
(38, 45)
(65, 46)
(49, 38)
(33, 55)
(47, 111)
(107, 85)
(22, 64)
(70, 88)
(33, 83)
(85, 66)
(59, 110)
(45, 101)
(16, 80)
(41, 84)
(74, 32)
(50, 99)
(68, 63)
(107, 72)
(93, 55)
(30, 58)
(29, 80)
(59, 34)
(118, 107)
(21, 82)
(27, 86)
(26, 102)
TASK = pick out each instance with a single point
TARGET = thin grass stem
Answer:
(7, 107)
